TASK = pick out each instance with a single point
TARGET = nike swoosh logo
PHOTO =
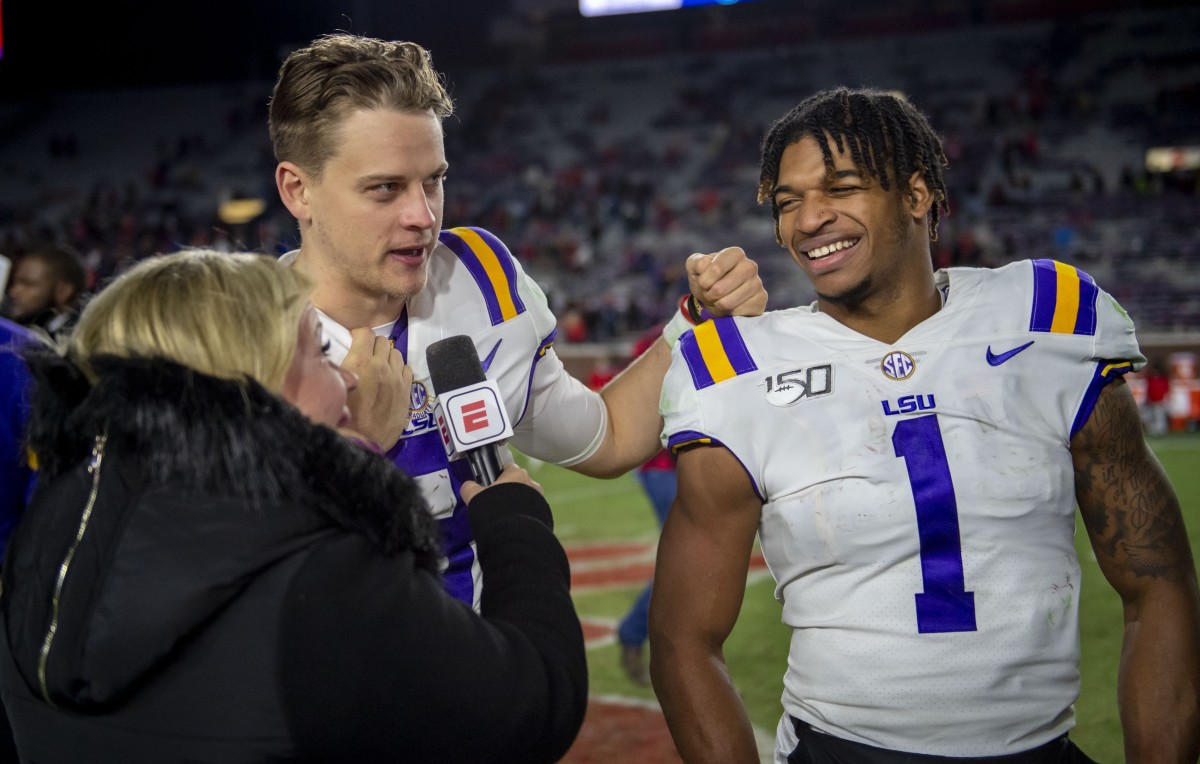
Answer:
(996, 359)
(487, 362)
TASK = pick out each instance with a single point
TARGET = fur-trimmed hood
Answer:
(203, 483)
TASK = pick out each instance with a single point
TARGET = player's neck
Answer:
(354, 309)
(886, 320)
(348, 305)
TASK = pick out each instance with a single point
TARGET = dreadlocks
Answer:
(879, 130)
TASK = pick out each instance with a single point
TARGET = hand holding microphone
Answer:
(512, 473)
(471, 414)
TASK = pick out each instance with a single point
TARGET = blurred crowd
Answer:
(601, 177)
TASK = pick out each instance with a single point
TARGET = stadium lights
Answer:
(613, 7)
(1172, 158)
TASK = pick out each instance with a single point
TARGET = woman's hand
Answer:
(511, 474)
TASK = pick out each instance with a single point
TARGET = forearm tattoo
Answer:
(1127, 502)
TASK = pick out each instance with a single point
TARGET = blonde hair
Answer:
(337, 74)
(230, 315)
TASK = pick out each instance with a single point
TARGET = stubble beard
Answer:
(389, 288)
(372, 282)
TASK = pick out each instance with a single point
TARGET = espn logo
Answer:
(473, 416)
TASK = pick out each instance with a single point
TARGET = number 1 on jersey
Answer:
(945, 604)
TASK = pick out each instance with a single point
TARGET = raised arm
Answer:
(699, 583)
(1136, 528)
(726, 283)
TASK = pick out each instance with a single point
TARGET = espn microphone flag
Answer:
(470, 411)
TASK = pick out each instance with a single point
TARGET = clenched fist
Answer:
(727, 283)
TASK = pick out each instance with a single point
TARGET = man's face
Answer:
(32, 288)
(853, 239)
(376, 212)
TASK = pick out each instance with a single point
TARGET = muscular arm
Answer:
(699, 582)
(727, 283)
(1136, 528)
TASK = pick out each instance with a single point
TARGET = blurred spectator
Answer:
(16, 474)
(1154, 409)
(46, 290)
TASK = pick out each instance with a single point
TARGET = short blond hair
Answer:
(337, 74)
(230, 315)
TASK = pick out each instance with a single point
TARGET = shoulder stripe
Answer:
(1064, 299)
(715, 352)
(491, 265)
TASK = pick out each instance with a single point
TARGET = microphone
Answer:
(470, 412)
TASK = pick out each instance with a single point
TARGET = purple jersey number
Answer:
(945, 605)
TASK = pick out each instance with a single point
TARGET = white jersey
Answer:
(918, 500)
(477, 288)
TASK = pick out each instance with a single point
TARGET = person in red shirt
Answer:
(657, 478)
(1154, 410)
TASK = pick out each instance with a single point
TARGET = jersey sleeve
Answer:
(702, 401)
(679, 406)
(563, 421)
(1068, 303)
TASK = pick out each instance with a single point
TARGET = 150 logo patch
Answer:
(790, 387)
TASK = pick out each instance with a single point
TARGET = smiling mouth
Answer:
(827, 250)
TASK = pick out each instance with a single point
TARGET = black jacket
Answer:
(248, 586)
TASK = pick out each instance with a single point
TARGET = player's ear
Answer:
(293, 185)
(920, 198)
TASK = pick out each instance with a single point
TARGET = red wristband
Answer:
(685, 307)
(695, 310)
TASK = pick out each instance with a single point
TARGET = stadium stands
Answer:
(609, 170)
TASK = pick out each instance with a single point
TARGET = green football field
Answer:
(590, 511)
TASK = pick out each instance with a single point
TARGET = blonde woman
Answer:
(209, 571)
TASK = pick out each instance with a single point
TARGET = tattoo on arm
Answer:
(1128, 505)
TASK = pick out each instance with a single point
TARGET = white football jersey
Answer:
(477, 288)
(918, 500)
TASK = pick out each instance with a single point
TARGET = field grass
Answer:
(589, 511)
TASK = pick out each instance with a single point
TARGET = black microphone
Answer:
(471, 414)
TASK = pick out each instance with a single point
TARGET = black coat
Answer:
(243, 585)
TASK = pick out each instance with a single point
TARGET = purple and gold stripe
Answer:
(685, 438)
(688, 438)
(543, 348)
(715, 352)
(1106, 371)
(547, 343)
(1064, 299)
(491, 265)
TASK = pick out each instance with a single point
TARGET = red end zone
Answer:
(619, 729)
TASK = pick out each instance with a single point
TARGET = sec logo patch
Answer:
(898, 365)
(418, 398)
